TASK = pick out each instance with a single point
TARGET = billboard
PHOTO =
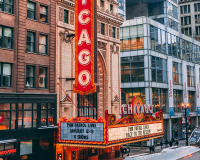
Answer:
(85, 47)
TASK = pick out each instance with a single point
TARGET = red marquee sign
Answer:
(9, 151)
(85, 48)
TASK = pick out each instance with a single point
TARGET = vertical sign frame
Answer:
(85, 47)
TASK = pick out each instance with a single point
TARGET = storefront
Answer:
(82, 138)
(27, 126)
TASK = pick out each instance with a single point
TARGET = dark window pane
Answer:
(30, 42)
(30, 76)
(6, 75)
(66, 15)
(50, 117)
(43, 117)
(31, 10)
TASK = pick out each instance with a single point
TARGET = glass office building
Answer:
(163, 11)
(162, 66)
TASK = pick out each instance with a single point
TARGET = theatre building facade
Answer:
(27, 80)
(108, 61)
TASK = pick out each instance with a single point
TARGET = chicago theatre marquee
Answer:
(86, 138)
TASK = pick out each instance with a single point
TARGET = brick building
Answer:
(27, 79)
(108, 57)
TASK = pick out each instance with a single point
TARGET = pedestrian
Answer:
(177, 142)
(127, 155)
(172, 140)
(161, 144)
(153, 149)
(166, 143)
(122, 150)
(170, 143)
(150, 148)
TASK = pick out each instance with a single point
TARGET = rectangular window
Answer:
(185, 9)
(30, 10)
(132, 69)
(197, 7)
(191, 100)
(181, 9)
(159, 99)
(6, 37)
(42, 77)
(6, 6)
(103, 28)
(43, 14)
(43, 44)
(177, 73)
(5, 75)
(113, 32)
(30, 42)
(188, 8)
(159, 69)
(66, 16)
(47, 114)
(30, 76)
(101, 3)
(5, 116)
(190, 76)
(177, 100)
(111, 7)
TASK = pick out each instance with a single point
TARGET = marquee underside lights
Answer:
(84, 47)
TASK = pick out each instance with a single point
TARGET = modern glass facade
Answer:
(162, 66)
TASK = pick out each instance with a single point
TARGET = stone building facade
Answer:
(27, 77)
(108, 58)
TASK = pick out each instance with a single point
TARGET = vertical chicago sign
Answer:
(85, 47)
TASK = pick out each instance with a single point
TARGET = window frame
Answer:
(46, 21)
(1, 75)
(34, 40)
(3, 37)
(64, 17)
(34, 11)
(45, 79)
(111, 8)
(46, 45)
(4, 6)
(102, 28)
(30, 77)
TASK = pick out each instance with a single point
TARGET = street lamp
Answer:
(185, 107)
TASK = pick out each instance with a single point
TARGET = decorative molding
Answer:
(65, 99)
(102, 45)
(117, 33)
(60, 14)
(115, 99)
(98, 26)
(71, 18)
(63, 36)
(110, 30)
(114, 49)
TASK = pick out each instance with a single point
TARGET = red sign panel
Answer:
(9, 151)
(84, 47)
(1, 118)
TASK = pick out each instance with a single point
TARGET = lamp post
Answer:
(185, 107)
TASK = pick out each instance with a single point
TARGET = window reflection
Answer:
(159, 99)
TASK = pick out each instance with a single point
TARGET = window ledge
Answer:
(12, 14)
(43, 54)
(6, 88)
(26, 88)
(43, 89)
(44, 22)
(31, 52)
(32, 19)
(7, 49)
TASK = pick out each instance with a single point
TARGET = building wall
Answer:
(107, 58)
(191, 14)
(18, 56)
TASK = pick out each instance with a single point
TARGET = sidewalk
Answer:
(139, 150)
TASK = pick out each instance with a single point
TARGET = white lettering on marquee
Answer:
(84, 77)
(84, 57)
(84, 37)
(81, 19)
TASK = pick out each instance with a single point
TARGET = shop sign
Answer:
(7, 152)
(134, 131)
(171, 111)
(84, 47)
(198, 110)
(1, 118)
(80, 130)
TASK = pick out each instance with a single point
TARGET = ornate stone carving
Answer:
(102, 45)
(98, 27)
(64, 34)
(117, 33)
(71, 18)
(106, 29)
(110, 30)
(114, 49)
(115, 99)
(60, 14)
(65, 99)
